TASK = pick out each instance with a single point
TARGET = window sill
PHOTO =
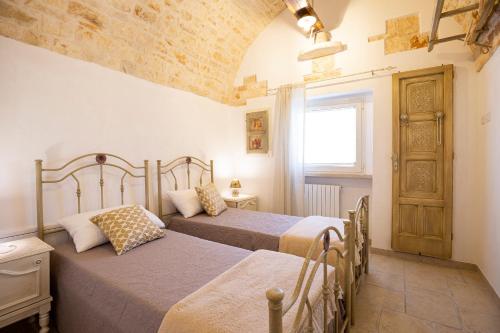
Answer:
(325, 174)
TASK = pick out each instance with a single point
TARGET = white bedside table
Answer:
(25, 282)
(243, 201)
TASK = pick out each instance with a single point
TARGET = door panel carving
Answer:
(423, 145)
(421, 96)
(433, 222)
(421, 136)
(421, 176)
(408, 219)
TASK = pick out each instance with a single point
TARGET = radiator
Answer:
(322, 200)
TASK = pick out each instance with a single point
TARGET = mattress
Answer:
(245, 229)
(98, 291)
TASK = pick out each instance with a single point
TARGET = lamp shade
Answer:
(235, 183)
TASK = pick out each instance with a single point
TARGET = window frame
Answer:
(357, 168)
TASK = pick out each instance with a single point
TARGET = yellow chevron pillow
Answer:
(127, 228)
(210, 200)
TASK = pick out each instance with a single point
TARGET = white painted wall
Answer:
(255, 171)
(486, 173)
(273, 57)
(55, 108)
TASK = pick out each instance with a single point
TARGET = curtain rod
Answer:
(273, 91)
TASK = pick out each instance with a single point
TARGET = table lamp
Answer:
(235, 186)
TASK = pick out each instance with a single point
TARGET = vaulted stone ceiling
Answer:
(193, 45)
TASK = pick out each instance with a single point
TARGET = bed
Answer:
(251, 230)
(154, 286)
(95, 291)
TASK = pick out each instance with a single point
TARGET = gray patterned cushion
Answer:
(127, 228)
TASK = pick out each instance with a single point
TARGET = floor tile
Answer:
(379, 297)
(400, 322)
(429, 280)
(474, 278)
(405, 295)
(367, 317)
(480, 323)
(396, 322)
(386, 280)
(386, 264)
(432, 306)
(355, 329)
(475, 299)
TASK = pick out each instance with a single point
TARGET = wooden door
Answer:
(423, 161)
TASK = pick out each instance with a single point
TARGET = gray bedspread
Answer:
(98, 291)
(245, 229)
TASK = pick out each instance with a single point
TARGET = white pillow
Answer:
(86, 234)
(186, 202)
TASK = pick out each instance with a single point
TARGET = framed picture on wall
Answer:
(257, 132)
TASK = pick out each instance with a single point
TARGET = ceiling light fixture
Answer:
(305, 19)
(305, 15)
(306, 22)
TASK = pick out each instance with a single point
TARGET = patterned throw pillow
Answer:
(127, 228)
(211, 200)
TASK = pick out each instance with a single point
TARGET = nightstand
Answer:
(243, 201)
(25, 282)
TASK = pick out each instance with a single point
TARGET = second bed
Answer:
(250, 230)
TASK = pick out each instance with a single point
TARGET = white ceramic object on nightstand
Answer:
(25, 282)
(242, 201)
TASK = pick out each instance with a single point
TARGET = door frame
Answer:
(448, 154)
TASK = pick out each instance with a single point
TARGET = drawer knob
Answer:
(38, 261)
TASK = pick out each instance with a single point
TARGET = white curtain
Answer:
(288, 151)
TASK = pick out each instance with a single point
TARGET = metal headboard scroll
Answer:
(170, 167)
(101, 160)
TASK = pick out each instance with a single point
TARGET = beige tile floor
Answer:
(401, 296)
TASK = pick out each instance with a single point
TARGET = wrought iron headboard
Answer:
(101, 160)
(170, 167)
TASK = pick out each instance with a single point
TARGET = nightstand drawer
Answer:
(243, 201)
(248, 204)
(232, 204)
(23, 282)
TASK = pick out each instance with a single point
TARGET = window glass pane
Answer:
(330, 136)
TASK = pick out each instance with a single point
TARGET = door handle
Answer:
(439, 127)
(395, 162)
(404, 119)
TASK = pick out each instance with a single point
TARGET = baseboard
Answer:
(428, 260)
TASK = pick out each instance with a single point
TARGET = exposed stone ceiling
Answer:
(194, 45)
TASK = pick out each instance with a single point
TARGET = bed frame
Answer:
(169, 168)
(362, 221)
(70, 169)
(275, 296)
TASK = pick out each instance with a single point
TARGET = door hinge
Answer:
(451, 236)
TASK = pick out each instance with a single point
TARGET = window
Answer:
(333, 139)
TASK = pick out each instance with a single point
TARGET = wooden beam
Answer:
(448, 39)
(435, 23)
(460, 10)
(484, 15)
